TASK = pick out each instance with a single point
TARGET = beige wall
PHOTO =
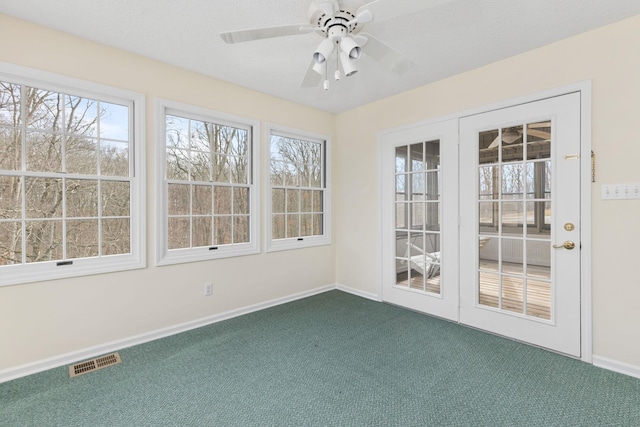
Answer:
(607, 56)
(47, 319)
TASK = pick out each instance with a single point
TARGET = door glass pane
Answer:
(512, 150)
(514, 213)
(539, 140)
(417, 208)
(513, 293)
(488, 292)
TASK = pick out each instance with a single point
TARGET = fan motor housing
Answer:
(337, 25)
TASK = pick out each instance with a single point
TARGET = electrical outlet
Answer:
(208, 289)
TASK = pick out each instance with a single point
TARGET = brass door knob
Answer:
(567, 245)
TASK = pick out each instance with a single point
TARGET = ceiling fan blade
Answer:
(382, 10)
(328, 8)
(539, 125)
(265, 33)
(495, 142)
(539, 133)
(388, 57)
(313, 77)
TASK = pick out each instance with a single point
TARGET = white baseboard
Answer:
(616, 366)
(357, 292)
(88, 353)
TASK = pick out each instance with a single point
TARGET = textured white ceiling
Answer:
(449, 38)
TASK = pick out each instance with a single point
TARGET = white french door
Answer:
(489, 236)
(520, 222)
(420, 228)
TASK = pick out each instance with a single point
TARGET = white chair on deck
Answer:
(425, 263)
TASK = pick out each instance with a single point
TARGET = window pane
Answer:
(306, 201)
(488, 182)
(114, 121)
(82, 198)
(512, 144)
(45, 109)
(401, 214)
(179, 230)
(201, 233)
(44, 197)
(44, 152)
(306, 225)
(277, 172)
(43, 240)
(11, 147)
(240, 200)
(82, 156)
(116, 236)
(417, 157)
(512, 217)
(278, 201)
(221, 169)
(201, 167)
(116, 198)
(202, 199)
(278, 227)
(240, 229)
(317, 201)
(238, 169)
(81, 116)
(177, 164)
(489, 144)
(178, 199)
(318, 227)
(293, 226)
(539, 140)
(432, 185)
(222, 230)
(512, 181)
(293, 200)
(9, 104)
(114, 158)
(82, 238)
(10, 243)
(10, 197)
(222, 200)
(513, 294)
(202, 136)
(177, 132)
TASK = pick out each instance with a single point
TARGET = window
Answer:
(207, 188)
(299, 191)
(70, 197)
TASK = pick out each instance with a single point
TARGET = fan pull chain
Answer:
(326, 75)
(337, 74)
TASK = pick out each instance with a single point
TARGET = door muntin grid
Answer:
(514, 220)
(418, 210)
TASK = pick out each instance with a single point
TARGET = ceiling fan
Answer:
(513, 134)
(340, 24)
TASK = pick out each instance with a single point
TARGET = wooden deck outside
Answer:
(538, 292)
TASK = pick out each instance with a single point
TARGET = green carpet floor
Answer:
(329, 360)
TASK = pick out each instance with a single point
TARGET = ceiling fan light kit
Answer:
(339, 23)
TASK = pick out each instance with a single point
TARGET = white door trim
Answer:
(584, 88)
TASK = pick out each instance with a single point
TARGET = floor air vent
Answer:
(94, 364)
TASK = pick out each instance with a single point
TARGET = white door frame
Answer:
(584, 88)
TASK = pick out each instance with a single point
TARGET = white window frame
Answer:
(50, 270)
(164, 256)
(273, 245)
